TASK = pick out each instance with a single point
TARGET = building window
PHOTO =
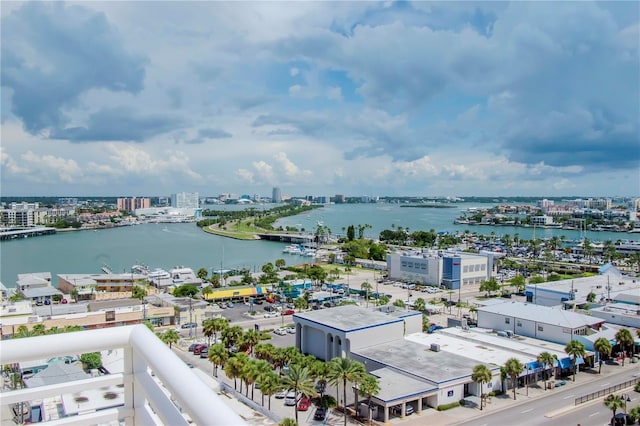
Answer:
(540, 328)
(507, 320)
(519, 323)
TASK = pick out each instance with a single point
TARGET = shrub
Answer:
(450, 406)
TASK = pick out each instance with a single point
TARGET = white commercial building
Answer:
(185, 200)
(336, 332)
(449, 269)
(540, 322)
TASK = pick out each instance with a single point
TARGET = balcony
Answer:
(157, 388)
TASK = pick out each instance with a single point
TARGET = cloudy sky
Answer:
(425, 98)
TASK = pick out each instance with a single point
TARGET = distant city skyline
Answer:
(495, 99)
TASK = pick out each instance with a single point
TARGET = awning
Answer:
(229, 293)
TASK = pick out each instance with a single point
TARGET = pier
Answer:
(15, 233)
(288, 238)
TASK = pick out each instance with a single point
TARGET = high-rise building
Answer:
(339, 199)
(185, 200)
(276, 195)
(133, 203)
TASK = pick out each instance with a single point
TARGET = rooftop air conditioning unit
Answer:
(435, 347)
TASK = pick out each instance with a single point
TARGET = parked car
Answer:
(291, 330)
(397, 410)
(204, 353)
(270, 300)
(291, 398)
(320, 414)
(281, 394)
(280, 331)
(271, 315)
(198, 349)
(193, 346)
(229, 304)
(257, 301)
(288, 312)
(189, 325)
(304, 403)
(269, 308)
(64, 301)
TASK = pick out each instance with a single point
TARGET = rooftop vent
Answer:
(435, 347)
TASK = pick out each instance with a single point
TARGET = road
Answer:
(535, 412)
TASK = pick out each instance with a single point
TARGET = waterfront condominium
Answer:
(276, 195)
(185, 200)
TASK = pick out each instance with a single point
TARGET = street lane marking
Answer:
(594, 414)
(569, 396)
(526, 411)
(606, 384)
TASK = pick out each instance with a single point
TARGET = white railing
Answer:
(178, 397)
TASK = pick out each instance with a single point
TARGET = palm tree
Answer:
(513, 368)
(215, 326)
(218, 355)
(264, 351)
(624, 339)
(251, 337)
(232, 369)
(299, 380)
(343, 370)
(613, 403)
(366, 287)
(603, 347)
(288, 422)
(250, 373)
(231, 336)
(481, 375)
(575, 349)
(270, 383)
(546, 359)
(170, 337)
(369, 386)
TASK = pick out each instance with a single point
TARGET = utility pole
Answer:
(190, 317)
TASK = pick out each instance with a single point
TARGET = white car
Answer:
(280, 331)
(271, 315)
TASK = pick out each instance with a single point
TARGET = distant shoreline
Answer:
(430, 206)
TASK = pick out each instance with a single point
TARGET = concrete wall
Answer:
(538, 330)
(376, 335)
(616, 318)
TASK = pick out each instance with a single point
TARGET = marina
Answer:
(162, 246)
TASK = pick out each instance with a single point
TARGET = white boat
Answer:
(158, 274)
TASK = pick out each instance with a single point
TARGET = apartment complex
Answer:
(31, 214)
(185, 200)
(131, 204)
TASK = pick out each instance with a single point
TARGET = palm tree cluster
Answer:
(264, 364)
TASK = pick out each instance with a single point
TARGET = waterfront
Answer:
(169, 245)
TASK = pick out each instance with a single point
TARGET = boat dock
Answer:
(287, 238)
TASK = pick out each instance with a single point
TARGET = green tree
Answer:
(369, 386)
(232, 369)
(270, 384)
(299, 379)
(138, 292)
(91, 361)
(546, 359)
(614, 403)
(202, 274)
(280, 263)
(634, 413)
(575, 349)
(489, 286)
(624, 339)
(603, 347)
(518, 282)
(343, 370)
(591, 297)
(231, 336)
(425, 323)
(251, 337)
(419, 304)
(481, 375)
(287, 421)
(217, 355)
(185, 290)
(170, 337)
(512, 368)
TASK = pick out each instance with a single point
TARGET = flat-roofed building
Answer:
(609, 283)
(450, 269)
(540, 322)
(100, 286)
(336, 332)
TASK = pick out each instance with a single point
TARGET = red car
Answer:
(270, 299)
(288, 312)
(304, 403)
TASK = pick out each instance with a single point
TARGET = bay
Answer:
(168, 245)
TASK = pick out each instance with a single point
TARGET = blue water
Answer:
(168, 245)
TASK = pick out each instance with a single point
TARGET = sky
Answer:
(358, 98)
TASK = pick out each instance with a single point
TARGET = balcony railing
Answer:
(175, 396)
